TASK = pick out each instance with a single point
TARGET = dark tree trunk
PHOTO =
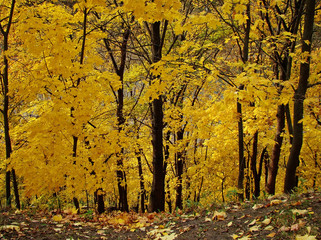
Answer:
(274, 162)
(15, 188)
(76, 203)
(5, 111)
(72, 109)
(245, 57)
(157, 196)
(180, 156)
(121, 175)
(284, 64)
(299, 96)
(256, 175)
(99, 199)
(74, 154)
(142, 185)
(241, 154)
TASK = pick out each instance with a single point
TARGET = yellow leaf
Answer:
(276, 202)
(235, 236)
(305, 237)
(299, 212)
(101, 232)
(271, 235)
(269, 228)
(266, 221)
(10, 227)
(57, 218)
(254, 229)
(219, 216)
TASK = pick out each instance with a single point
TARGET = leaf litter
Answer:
(277, 218)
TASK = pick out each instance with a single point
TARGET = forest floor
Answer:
(282, 217)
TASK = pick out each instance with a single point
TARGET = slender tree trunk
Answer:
(285, 65)
(72, 109)
(157, 196)
(299, 96)
(180, 156)
(256, 175)
(142, 185)
(120, 69)
(245, 57)
(274, 162)
(241, 154)
(5, 111)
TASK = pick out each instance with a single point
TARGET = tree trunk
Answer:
(241, 154)
(285, 65)
(299, 96)
(256, 176)
(120, 69)
(274, 162)
(157, 196)
(180, 156)
(142, 185)
(245, 57)
(5, 110)
(99, 199)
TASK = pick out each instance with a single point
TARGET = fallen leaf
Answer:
(169, 236)
(252, 223)
(305, 237)
(309, 230)
(101, 232)
(258, 206)
(299, 212)
(245, 238)
(295, 227)
(235, 236)
(275, 202)
(254, 229)
(284, 229)
(57, 218)
(10, 227)
(269, 228)
(219, 216)
(230, 224)
(298, 203)
(271, 235)
(266, 221)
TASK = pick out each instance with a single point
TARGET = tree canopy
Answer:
(160, 103)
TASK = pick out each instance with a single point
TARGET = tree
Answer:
(290, 181)
(282, 69)
(5, 30)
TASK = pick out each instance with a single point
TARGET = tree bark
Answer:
(256, 175)
(157, 196)
(241, 154)
(142, 185)
(274, 162)
(120, 69)
(245, 58)
(5, 110)
(284, 64)
(180, 156)
(293, 162)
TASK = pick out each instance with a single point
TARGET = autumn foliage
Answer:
(147, 105)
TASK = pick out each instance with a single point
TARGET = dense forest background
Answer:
(158, 105)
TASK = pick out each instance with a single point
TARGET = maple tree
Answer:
(162, 103)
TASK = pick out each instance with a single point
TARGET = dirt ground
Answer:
(283, 217)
